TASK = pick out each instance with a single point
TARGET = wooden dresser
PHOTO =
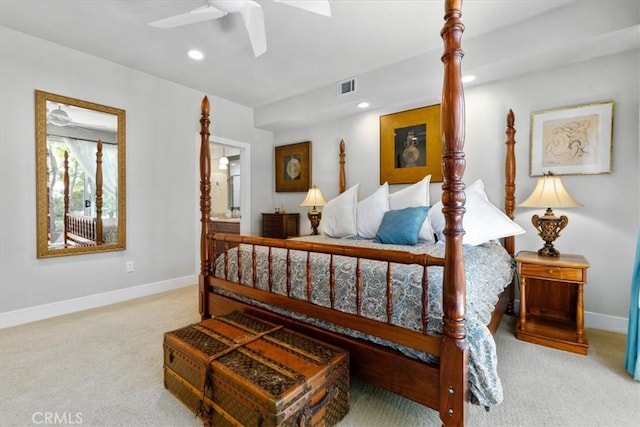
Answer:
(280, 226)
(224, 226)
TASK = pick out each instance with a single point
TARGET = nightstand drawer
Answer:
(552, 272)
(225, 227)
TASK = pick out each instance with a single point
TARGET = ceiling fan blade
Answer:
(321, 7)
(200, 14)
(253, 18)
(79, 127)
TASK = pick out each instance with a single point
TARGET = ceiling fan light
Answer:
(195, 54)
(223, 163)
(59, 117)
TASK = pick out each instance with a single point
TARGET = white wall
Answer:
(162, 173)
(162, 124)
(604, 230)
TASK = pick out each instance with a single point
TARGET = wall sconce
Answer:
(549, 193)
(314, 198)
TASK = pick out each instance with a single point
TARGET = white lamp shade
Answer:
(314, 198)
(550, 193)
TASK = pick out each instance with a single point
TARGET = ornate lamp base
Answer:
(549, 227)
(548, 250)
(314, 217)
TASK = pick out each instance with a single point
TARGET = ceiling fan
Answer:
(251, 12)
(59, 117)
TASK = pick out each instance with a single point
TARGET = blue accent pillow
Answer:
(401, 226)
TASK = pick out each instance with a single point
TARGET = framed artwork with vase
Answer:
(410, 146)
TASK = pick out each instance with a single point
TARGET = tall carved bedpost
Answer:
(205, 208)
(98, 236)
(343, 177)
(65, 180)
(454, 354)
(510, 197)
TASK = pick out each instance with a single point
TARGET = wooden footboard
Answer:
(408, 377)
(79, 230)
(220, 278)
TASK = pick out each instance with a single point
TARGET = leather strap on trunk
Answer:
(208, 373)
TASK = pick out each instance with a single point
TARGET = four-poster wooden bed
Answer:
(81, 230)
(440, 382)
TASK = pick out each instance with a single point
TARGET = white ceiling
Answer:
(305, 51)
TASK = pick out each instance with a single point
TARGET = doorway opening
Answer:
(230, 178)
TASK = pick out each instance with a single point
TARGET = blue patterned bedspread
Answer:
(489, 270)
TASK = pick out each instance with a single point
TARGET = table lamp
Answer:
(549, 193)
(314, 198)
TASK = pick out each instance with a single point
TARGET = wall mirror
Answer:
(80, 176)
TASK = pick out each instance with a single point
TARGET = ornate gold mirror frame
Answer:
(80, 176)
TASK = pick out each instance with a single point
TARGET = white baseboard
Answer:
(598, 321)
(45, 311)
(606, 322)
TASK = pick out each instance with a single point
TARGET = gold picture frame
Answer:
(94, 122)
(410, 146)
(293, 167)
(573, 140)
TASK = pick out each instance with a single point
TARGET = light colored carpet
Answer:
(103, 367)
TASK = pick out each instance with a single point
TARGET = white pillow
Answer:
(436, 218)
(339, 215)
(413, 196)
(410, 197)
(370, 212)
(482, 221)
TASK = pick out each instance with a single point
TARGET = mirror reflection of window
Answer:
(74, 132)
(81, 168)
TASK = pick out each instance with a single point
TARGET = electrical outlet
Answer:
(130, 268)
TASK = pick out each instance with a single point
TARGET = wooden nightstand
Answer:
(224, 226)
(551, 301)
(280, 226)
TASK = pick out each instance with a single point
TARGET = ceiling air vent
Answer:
(346, 86)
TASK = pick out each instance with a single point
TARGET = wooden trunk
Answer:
(238, 370)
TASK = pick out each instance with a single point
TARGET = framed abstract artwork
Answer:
(410, 146)
(293, 167)
(575, 140)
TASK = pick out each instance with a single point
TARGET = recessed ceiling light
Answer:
(195, 54)
(362, 104)
(468, 79)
